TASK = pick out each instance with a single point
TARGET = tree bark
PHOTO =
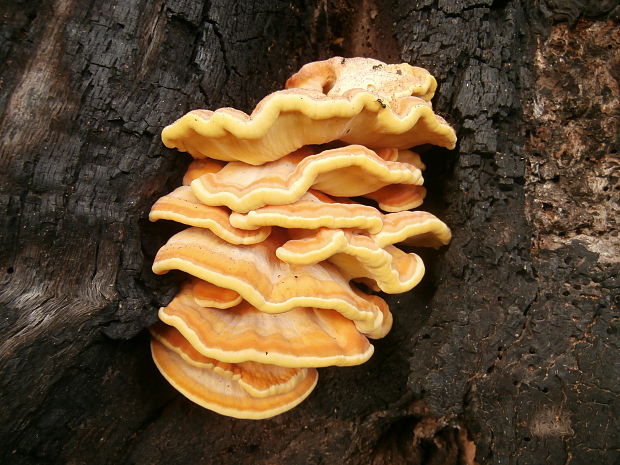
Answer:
(507, 351)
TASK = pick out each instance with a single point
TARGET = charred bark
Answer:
(507, 351)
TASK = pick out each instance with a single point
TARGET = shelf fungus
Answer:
(313, 210)
(218, 390)
(243, 333)
(276, 249)
(182, 206)
(399, 115)
(347, 171)
(262, 279)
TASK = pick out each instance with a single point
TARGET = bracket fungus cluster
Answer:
(283, 262)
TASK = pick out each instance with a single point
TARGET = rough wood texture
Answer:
(508, 349)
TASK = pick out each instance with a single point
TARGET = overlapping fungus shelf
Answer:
(277, 248)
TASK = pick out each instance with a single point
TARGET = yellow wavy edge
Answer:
(394, 231)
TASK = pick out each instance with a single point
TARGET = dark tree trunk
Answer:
(507, 350)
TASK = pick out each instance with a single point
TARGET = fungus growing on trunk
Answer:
(276, 248)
